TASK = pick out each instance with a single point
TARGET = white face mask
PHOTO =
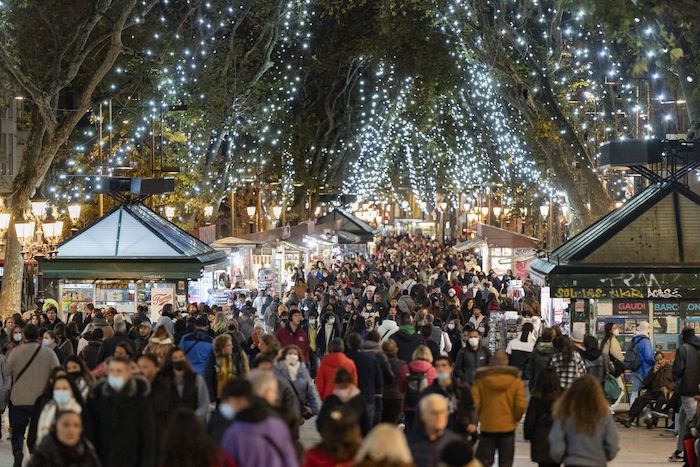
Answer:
(451, 326)
(331, 320)
(312, 321)
(292, 359)
(473, 341)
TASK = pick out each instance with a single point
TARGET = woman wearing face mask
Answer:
(76, 369)
(14, 334)
(185, 387)
(610, 346)
(453, 328)
(50, 341)
(65, 396)
(65, 445)
(327, 331)
(291, 368)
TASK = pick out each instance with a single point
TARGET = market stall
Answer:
(129, 257)
(641, 262)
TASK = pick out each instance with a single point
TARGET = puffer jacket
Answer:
(499, 396)
(685, 368)
(539, 359)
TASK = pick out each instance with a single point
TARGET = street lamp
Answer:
(38, 208)
(170, 213)
(497, 211)
(53, 230)
(277, 211)
(208, 211)
(250, 210)
(24, 230)
(544, 210)
(443, 206)
(485, 211)
(74, 212)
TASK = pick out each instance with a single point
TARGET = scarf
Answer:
(408, 329)
(293, 370)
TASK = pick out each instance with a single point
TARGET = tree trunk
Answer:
(11, 296)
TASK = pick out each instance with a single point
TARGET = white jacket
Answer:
(387, 329)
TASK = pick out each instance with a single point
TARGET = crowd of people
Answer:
(387, 355)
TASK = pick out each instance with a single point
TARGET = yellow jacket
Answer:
(499, 396)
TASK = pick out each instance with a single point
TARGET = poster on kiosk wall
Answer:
(161, 296)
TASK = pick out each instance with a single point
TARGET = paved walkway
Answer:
(640, 447)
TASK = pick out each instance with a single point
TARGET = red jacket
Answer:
(316, 458)
(326, 372)
(298, 338)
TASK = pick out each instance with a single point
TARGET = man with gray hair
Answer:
(428, 441)
(108, 345)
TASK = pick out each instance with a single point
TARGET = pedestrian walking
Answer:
(330, 365)
(340, 439)
(567, 361)
(65, 445)
(499, 396)
(538, 419)
(583, 432)
(28, 367)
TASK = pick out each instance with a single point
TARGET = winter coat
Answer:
(303, 386)
(407, 344)
(460, 404)
(391, 389)
(499, 396)
(369, 374)
(539, 358)
(299, 338)
(374, 350)
(597, 364)
(470, 360)
(108, 346)
(685, 368)
(198, 349)
(416, 366)
(519, 352)
(645, 350)
(538, 422)
(123, 424)
(387, 329)
(354, 401)
(326, 372)
(322, 337)
(89, 353)
(257, 437)
(426, 452)
(570, 447)
(314, 457)
(44, 416)
(49, 453)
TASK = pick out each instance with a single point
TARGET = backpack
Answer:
(632, 360)
(415, 384)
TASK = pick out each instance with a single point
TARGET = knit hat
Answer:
(578, 334)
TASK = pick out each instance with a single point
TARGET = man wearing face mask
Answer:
(122, 418)
(235, 396)
(28, 366)
(472, 357)
(462, 418)
(293, 334)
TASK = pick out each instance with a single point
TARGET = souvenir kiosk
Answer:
(640, 262)
(129, 257)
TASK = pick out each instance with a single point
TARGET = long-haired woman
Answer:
(185, 387)
(160, 344)
(583, 432)
(538, 419)
(220, 324)
(567, 361)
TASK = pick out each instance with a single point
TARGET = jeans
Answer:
(641, 401)
(489, 443)
(370, 412)
(19, 420)
(636, 386)
(688, 407)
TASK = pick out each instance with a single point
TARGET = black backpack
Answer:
(415, 384)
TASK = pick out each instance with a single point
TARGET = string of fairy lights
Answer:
(472, 137)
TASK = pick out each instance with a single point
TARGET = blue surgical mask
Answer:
(46, 342)
(116, 382)
(62, 396)
(443, 375)
(227, 411)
